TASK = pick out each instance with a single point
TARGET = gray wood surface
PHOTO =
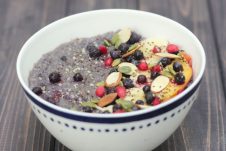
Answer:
(202, 130)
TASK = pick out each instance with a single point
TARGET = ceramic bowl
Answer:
(142, 130)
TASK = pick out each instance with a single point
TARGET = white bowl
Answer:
(141, 130)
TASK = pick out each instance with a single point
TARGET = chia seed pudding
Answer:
(114, 72)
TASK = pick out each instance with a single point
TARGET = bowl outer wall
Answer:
(110, 12)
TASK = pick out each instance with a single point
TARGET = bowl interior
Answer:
(98, 22)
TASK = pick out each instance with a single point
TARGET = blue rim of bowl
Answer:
(112, 120)
(109, 118)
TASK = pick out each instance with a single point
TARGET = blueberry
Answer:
(130, 58)
(177, 67)
(128, 83)
(179, 78)
(93, 51)
(149, 97)
(37, 90)
(146, 89)
(154, 75)
(141, 79)
(113, 70)
(54, 77)
(139, 102)
(77, 77)
(123, 48)
(110, 90)
(135, 108)
(134, 38)
(116, 107)
(63, 58)
(87, 109)
(165, 61)
(115, 54)
(135, 62)
(138, 55)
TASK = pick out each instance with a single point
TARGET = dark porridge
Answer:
(114, 72)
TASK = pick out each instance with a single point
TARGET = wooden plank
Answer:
(218, 17)
(19, 128)
(203, 128)
(77, 6)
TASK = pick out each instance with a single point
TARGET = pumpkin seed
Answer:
(125, 69)
(116, 62)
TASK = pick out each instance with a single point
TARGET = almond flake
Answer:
(113, 79)
(107, 99)
(124, 34)
(159, 83)
(167, 55)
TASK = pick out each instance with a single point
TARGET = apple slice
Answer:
(113, 79)
(134, 94)
(173, 89)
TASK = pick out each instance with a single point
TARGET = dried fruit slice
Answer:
(134, 94)
(124, 34)
(173, 89)
(124, 65)
(113, 79)
(159, 83)
(150, 43)
(167, 55)
(107, 99)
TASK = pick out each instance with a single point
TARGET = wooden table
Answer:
(202, 130)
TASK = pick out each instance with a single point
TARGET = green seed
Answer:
(116, 62)
(124, 69)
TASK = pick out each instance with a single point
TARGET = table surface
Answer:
(202, 130)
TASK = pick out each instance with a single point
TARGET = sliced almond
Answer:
(168, 55)
(124, 34)
(108, 108)
(113, 79)
(159, 83)
(131, 51)
(130, 65)
(107, 99)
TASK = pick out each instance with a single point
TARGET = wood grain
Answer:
(202, 130)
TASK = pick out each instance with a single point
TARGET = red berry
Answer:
(155, 50)
(171, 48)
(100, 91)
(120, 111)
(103, 49)
(143, 66)
(156, 101)
(156, 68)
(108, 62)
(121, 91)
